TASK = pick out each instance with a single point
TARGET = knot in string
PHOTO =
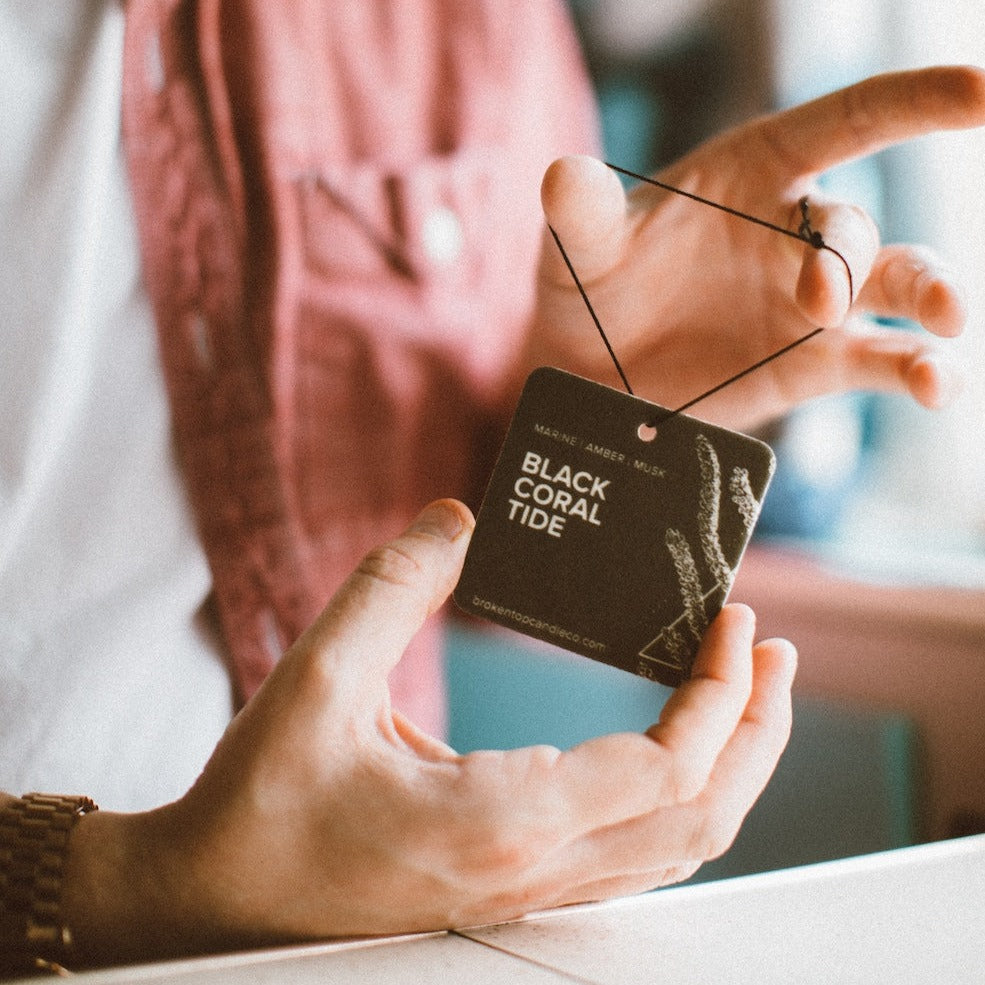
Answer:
(804, 230)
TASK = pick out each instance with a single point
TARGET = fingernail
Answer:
(441, 520)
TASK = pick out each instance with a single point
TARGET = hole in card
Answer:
(646, 432)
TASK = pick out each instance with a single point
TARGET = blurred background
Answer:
(870, 554)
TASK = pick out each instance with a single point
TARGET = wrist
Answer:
(122, 895)
(137, 889)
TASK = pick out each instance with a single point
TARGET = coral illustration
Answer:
(745, 501)
(689, 582)
(673, 648)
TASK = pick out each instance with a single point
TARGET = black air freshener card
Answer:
(605, 543)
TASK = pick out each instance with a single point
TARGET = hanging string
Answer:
(805, 233)
(591, 310)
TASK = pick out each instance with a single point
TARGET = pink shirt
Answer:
(339, 220)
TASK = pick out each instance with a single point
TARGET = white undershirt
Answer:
(109, 684)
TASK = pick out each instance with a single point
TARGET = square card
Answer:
(609, 536)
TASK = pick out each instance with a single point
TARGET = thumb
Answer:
(365, 628)
(584, 203)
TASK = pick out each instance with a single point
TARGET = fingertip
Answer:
(579, 173)
(727, 644)
(741, 615)
(771, 706)
(963, 88)
(934, 382)
(583, 200)
(778, 657)
(941, 307)
(444, 519)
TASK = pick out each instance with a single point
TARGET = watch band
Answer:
(34, 835)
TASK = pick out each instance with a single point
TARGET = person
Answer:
(340, 244)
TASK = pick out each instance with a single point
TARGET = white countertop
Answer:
(916, 915)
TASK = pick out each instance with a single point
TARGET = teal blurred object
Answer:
(505, 693)
(845, 786)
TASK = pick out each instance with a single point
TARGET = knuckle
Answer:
(391, 563)
(686, 782)
(773, 734)
(501, 850)
(673, 874)
(507, 831)
(713, 836)
(507, 852)
(497, 906)
(858, 113)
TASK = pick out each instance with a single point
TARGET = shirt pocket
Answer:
(454, 238)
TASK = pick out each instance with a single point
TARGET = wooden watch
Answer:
(34, 835)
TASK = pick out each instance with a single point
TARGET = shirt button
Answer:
(201, 340)
(441, 236)
(154, 63)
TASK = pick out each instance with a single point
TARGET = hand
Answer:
(689, 296)
(324, 813)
